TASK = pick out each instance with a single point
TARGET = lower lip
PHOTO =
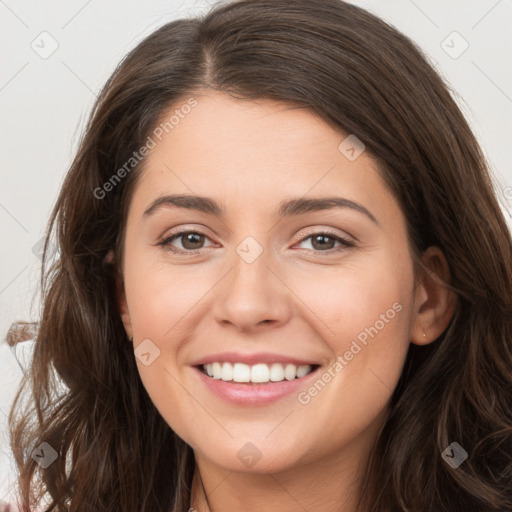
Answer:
(253, 394)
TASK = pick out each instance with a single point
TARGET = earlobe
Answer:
(435, 302)
(109, 258)
(123, 310)
(122, 305)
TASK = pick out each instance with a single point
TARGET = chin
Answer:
(252, 456)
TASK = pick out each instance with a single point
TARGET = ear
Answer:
(120, 296)
(434, 302)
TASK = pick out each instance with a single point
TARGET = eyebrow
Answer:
(286, 208)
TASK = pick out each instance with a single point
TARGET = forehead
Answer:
(252, 154)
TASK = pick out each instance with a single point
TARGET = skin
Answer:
(296, 298)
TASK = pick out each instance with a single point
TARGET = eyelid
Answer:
(315, 230)
(182, 229)
(165, 240)
(345, 243)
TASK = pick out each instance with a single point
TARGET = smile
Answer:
(259, 384)
(260, 373)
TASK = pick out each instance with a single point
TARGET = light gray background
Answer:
(45, 102)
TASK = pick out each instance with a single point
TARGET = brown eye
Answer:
(325, 242)
(322, 242)
(191, 241)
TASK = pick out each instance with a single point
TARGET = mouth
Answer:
(257, 374)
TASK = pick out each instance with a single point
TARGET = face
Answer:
(300, 310)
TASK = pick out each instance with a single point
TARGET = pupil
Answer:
(321, 237)
(193, 238)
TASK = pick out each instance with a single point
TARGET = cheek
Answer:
(163, 296)
(159, 302)
(362, 314)
(166, 303)
(362, 299)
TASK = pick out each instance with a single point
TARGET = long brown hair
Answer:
(115, 451)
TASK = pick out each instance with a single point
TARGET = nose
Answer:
(252, 296)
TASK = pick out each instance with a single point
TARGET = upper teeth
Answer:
(240, 372)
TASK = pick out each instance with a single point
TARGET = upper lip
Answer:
(250, 359)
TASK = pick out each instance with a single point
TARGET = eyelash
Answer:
(165, 243)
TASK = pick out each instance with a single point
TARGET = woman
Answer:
(212, 361)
